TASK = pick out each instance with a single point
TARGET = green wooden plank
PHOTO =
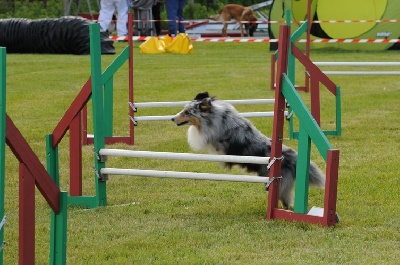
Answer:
(305, 117)
(116, 64)
(2, 141)
(302, 172)
(297, 34)
(98, 109)
(84, 201)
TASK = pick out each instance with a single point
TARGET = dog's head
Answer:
(194, 110)
(252, 25)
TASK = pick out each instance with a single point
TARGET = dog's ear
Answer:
(205, 104)
(201, 96)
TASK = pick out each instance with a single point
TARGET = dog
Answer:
(217, 127)
(239, 13)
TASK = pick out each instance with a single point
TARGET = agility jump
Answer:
(31, 173)
(97, 81)
(75, 118)
(313, 78)
(309, 131)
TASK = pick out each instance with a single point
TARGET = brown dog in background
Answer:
(239, 13)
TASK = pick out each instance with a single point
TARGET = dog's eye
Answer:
(187, 112)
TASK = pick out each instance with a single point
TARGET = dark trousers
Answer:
(175, 12)
(157, 16)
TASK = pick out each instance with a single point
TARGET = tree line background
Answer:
(33, 9)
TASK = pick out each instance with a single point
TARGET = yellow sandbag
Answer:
(167, 40)
(153, 45)
(180, 44)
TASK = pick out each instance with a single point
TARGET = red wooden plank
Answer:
(75, 157)
(279, 108)
(25, 154)
(297, 217)
(314, 71)
(26, 216)
(332, 172)
(79, 102)
(84, 125)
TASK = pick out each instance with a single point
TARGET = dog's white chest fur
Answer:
(195, 139)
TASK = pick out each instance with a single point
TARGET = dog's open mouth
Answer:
(182, 123)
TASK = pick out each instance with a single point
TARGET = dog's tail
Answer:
(214, 17)
(317, 177)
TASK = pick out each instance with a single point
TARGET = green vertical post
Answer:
(58, 222)
(108, 107)
(302, 172)
(98, 111)
(58, 233)
(2, 144)
(52, 160)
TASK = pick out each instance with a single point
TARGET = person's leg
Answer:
(172, 6)
(122, 11)
(156, 16)
(106, 12)
(181, 26)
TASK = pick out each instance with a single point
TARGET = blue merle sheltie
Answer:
(217, 127)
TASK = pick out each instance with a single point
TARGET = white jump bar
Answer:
(357, 63)
(243, 114)
(186, 156)
(183, 103)
(361, 72)
(184, 175)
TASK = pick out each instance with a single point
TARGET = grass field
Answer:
(164, 221)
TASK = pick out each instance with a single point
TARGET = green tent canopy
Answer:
(342, 10)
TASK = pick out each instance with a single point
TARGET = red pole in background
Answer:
(130, 63)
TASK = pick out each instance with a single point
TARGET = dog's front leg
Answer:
(224, 30)
(241, 28)
(246, 27)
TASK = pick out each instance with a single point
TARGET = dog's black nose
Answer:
(172, 119)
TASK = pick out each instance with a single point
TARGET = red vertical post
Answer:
(279, 108)
(75, 156)
(130, 63)
(273, 71)
(26, 216)
(332, 171)
(315, 99)
(83, 114)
